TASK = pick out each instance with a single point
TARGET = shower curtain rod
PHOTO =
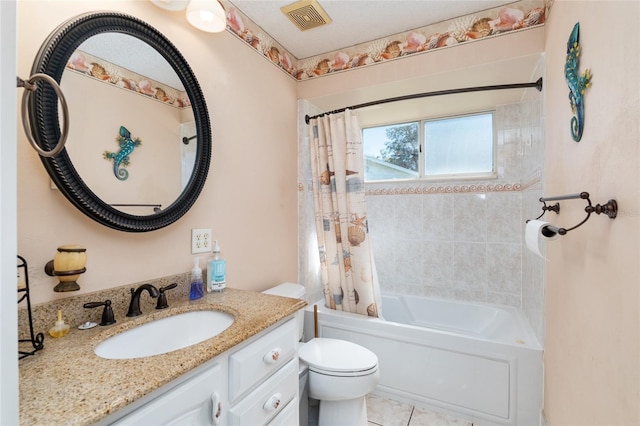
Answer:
(537, 85)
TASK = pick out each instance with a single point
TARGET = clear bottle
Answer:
(216, 270)
(197, 290)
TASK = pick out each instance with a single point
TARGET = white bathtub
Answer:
(476, 361)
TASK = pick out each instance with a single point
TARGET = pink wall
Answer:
(97, 110)
(593, 325)
(249, 200)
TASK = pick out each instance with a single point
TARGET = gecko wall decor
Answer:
(577, 82)
(121, 158)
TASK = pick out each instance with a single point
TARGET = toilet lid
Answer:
(337, 356)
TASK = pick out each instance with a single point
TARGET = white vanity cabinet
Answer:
(254, 383)
(263, 378)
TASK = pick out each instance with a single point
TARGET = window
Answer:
(449, 147)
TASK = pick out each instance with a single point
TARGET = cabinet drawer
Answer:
(269, 399)
(289, 416)
(250, 365)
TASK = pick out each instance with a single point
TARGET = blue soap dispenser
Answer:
(216, 270)
(197, 290)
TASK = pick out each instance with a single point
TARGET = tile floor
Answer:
(387, 412)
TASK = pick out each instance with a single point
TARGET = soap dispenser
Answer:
(197, 290)
(216, 270)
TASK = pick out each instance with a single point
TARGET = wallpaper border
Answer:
(518, 16)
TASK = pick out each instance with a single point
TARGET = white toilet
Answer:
(341, 373)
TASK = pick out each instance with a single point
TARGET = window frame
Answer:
(422, 177)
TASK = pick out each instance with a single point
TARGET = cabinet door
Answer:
(196, 401)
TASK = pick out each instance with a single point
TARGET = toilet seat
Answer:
(344, 374)
(335, 357)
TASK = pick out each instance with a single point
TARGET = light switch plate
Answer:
(200, 241)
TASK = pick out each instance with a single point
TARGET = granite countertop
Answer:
(66, 383)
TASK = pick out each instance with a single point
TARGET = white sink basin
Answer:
(165, 335)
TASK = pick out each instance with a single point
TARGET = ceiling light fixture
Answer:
(205, 15)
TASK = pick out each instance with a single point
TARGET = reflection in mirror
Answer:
(188, 152)
(129, 115)
(118, 98)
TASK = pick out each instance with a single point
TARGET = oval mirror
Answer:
(139, 143)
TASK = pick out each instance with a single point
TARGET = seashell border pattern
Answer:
(517, 16)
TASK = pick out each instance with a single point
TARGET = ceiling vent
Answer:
(306, 14)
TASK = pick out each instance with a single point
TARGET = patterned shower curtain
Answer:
(349, 277)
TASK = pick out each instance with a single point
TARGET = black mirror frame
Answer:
(43, 116)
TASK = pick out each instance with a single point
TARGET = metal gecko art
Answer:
(121, 158)
(577, 83)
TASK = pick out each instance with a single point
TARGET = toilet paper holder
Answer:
(610, 209)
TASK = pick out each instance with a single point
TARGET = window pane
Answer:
(391, 152)
(459, 145)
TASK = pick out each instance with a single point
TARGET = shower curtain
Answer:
(349, 278)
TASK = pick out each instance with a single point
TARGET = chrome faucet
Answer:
(134, 305)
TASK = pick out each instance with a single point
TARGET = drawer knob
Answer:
(216, 408)
(273, 403)
(272, 356)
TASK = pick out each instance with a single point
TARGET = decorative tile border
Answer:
(521, 15)
(98, 69)
(445, 189)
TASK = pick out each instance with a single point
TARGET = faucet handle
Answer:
(169, 287)
(162, 298)
(107, 314)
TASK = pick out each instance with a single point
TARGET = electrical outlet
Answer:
(200, 241)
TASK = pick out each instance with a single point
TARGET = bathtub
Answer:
(475, 361)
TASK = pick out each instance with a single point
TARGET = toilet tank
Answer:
(294, 291)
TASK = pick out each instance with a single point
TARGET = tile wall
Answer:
(460, 246)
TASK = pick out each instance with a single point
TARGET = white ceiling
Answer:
(355, 21)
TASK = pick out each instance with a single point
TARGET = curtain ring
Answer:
(30, 87)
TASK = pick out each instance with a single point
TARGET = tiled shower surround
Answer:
(461, 240)
(460, 246)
